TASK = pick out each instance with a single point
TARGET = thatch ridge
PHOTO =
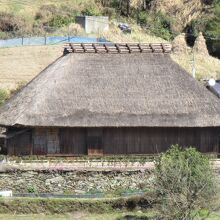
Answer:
(117, 48)
(113, 90)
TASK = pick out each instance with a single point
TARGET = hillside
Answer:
(163, 18)
(20, 64)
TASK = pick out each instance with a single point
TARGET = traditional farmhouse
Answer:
(111, 99)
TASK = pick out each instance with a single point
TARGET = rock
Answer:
(79, 191)
(57, 179)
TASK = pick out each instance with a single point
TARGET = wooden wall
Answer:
(46, 141)
(97, 141)
(155, 140)
(73, 141)
(19, 142)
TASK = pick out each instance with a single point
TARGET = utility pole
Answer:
(193, 66)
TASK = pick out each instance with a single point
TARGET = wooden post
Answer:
(45, 39)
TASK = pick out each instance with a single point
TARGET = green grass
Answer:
(88, 216)
(62, 206)
(84, 209)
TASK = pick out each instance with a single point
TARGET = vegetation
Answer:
(3, 96)
(206, 66)
(157, 24)
(82, 215)
(184, 186)
(116, 215)
(185, 183)
(209, 25)
(154, 16)
(62, 206)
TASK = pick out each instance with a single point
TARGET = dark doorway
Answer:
(94, 141)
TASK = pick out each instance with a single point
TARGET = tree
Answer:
(146, 4)
(212, 31)
(125, 6)
(185, 183)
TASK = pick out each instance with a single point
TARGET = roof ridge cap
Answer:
(117, 48)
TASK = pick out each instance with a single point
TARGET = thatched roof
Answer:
(91, 89)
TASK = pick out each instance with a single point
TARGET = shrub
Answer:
(60, 21)
(54, 17)
(3, 96)
(91, 10)
(45, 12)
(8, 22)
(4, 35)
(158, 24)
(110, 12)
(18, 88)
(13, 26)
(31, 189)
(185, 183)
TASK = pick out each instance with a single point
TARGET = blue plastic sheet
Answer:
(31, 41)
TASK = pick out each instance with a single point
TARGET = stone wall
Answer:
(79, 177)
(74, 182)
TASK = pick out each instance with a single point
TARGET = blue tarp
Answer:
(31, 41)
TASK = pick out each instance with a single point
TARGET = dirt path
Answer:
(84, 165)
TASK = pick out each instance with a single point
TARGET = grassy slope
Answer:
(28, 8)
(206, 66)
(21, 64)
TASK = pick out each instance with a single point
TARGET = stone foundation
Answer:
(74, 182)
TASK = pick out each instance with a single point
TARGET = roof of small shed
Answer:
(215, 89)
(113, 85)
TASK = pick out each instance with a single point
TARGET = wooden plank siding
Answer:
(107, 141)
(40, 141)
(19, 144)
(156, 140)
(73, 141)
